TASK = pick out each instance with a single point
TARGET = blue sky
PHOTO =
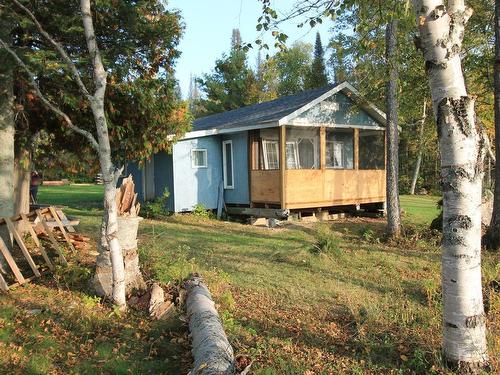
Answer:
(208, 32)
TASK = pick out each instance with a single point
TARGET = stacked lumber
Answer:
(126, 198)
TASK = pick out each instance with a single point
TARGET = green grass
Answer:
(356, 306)
(420, 209)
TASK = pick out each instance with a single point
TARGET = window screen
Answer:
(302, 148)
(265, 149)
(340, 148)
(199, 158)
(371, 149)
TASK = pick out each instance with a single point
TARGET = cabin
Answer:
(321, 149)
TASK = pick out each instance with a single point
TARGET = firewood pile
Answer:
(126, 198)
(79, 242)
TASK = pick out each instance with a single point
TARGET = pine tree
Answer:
(317, 76)
(235, 39)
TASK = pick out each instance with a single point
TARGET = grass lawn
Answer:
(358, 306)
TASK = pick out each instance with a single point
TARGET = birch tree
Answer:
(441, 30)
(421, 127)
(101, 145)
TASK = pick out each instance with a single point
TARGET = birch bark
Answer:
(109, 172)
(420, 151)
(493, 235)
(464, 333)
(392, 190)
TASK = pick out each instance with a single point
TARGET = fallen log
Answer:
(213, 355)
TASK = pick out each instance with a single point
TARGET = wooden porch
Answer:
(314, 188)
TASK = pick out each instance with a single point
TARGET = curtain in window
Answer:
(302, 148)
(340, 148)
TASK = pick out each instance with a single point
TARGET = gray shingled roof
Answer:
(261, 113)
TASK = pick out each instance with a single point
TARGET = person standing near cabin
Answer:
(35, 181)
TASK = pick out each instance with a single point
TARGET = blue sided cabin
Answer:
(319, 149)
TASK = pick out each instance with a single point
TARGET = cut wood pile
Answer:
(126, 198)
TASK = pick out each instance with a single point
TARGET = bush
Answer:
(201, 211)
(327, 241)
(157, 209)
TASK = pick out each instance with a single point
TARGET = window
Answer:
(271, 154)
(340, 148)
(302, 148)
(371, 149)
(227, 161)
(292, 155)
(199, 158)
(265, 149)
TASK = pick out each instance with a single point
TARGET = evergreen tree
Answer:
(317, 76)
(231, 83)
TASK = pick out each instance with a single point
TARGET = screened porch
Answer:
(298, 167)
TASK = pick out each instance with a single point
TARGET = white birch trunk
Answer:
(109, 172)
(420, 151)
(212, 352)
(464, 333)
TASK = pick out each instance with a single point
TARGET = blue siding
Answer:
(240, 194)
(164, 177)
(197, 185)
(136, 172)
(348, 113)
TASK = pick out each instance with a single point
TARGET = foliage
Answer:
(138, 43)
(229, 85)
(157, 209)
(317, 76)
(199, 210)
(327, 241)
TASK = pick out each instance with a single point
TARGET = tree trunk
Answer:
(6, 130)
(464, 330)
(492, 238)
(392, 190)
(109, 172)
(420, 151)
(213, 355)
(22, 178)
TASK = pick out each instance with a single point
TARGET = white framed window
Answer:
(292, 155)
(271, 154)
(227, 162)
(199, 158)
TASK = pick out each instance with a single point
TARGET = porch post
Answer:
(322, 148)
(356, 149)
(283, 165)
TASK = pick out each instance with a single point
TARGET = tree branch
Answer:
(71, 65)
(46, 102)
(99, 71)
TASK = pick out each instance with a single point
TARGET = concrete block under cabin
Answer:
(317, 149)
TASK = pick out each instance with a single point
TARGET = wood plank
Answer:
(61, 228)
(27, 280)
(265, 186)
(37, 242)
(276, 213)
(11, 262)
(65, 220)
(356, 149)
(283, 186)
(49, 233)
(3, 284)
(13, 231)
